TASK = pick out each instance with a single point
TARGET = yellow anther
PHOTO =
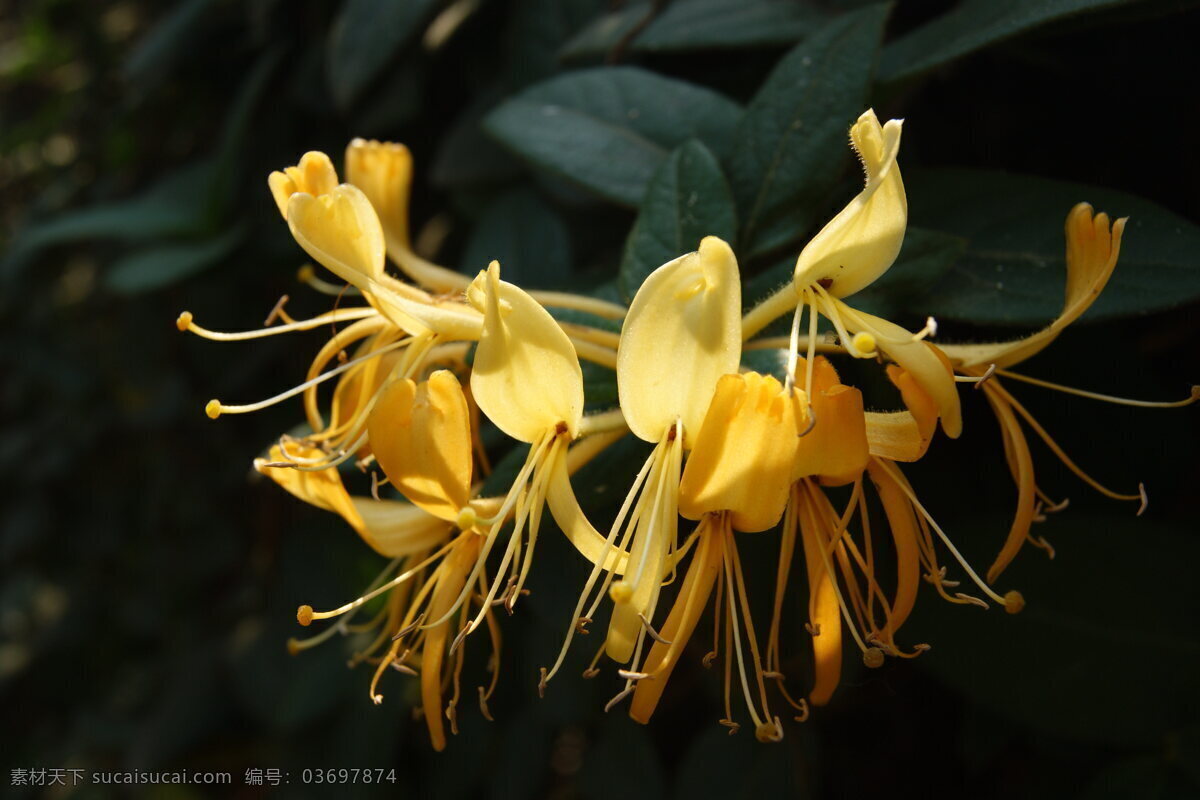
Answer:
(293, 647)
(863, 343)
(620, 592)
(306, 273)
(467, 518)
(213, 409)
(1014, 602)
(873, 657)
(304, 615)
(184, 321)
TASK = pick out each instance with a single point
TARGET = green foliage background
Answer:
(149, 583)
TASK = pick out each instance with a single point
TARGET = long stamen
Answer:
(1065, 459)
(598, 568)
(912, 498)
(305, 614)
(1106, 398)
(185, 322)
(216, 408)
(793, 349)
(812, 344)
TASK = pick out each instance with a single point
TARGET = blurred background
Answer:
(150, 579)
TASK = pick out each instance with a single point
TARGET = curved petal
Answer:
(421, 437)
(341, 230)
(391, 528)
(903, 435)
(682, 333)
(314, 175)
(526, 376)
(861, 242)
(926, 363)
(1092, 251)
(742, 456)
(395, 529)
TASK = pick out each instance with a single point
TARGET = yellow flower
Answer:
(1093, 246)
(526, 379)
(688, 308)
(737, 478)
(849, 253)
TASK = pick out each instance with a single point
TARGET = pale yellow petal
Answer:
(526, 376)
(395, 529)
(927, 365)
(390, 528)
(421, 437)
(314, 175)
(682, 333)
(1092, 251)
(341, 230)
(861, 242)
(323, 489)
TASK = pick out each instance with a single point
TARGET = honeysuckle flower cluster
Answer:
(420, 363)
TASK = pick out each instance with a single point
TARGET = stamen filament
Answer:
(215, 408)
(904, 487)
(1106, 398)
(186, 323)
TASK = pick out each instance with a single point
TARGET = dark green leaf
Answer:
(156, 267)
(526, 236)
(1014, 269)
(538, 30)
(1106, 647)
(697, 25)
(173, 206)
(365, 36)
(923, 262)
(687, 199)
(609, 129)
(466, 156)
(973, 25)
(792, 138)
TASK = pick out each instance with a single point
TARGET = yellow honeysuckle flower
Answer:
(526, 379)
(688, 308)
(1093, 246)
(737, 478)
(849, 253)
(861, 242)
